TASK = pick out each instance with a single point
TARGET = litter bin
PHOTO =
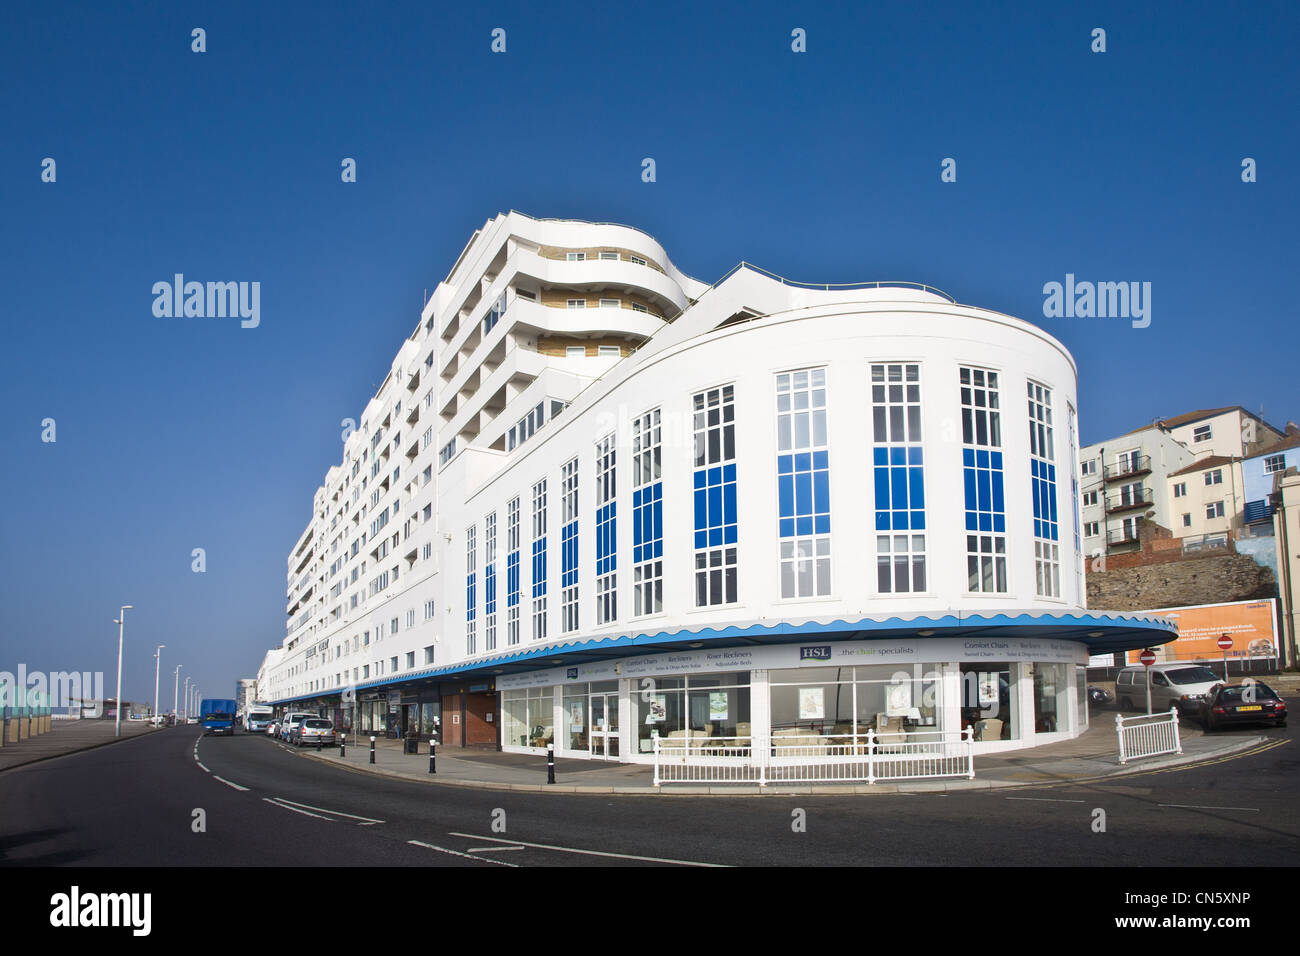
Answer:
(411, 744)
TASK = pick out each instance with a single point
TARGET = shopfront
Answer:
(1011, 692)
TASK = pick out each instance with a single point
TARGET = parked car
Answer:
(288, 722)
(273, 729)
(1248, 703)
(1173, 684)
(313, 730)
(1099, 696)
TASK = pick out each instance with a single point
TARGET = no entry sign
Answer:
(1225, 642)
(1147, 657)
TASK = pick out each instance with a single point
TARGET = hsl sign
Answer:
(818, 652)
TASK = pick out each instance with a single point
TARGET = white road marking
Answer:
(200, 763)
(481, 859)
(337, 813)
(1047, 799)
(228, 783)
(283, 806)
(568, 849)
(491, 849)
(1191, 806)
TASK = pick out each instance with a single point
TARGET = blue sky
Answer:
(174, 434)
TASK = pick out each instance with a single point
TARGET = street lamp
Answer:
(117, 724)
(176, 693)
(157, 659)
(187, 698)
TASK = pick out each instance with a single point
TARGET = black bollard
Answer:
(343, 745)
(432, 765)
(550, 763)
(372, 749)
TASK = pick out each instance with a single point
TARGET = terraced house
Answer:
(596, 501)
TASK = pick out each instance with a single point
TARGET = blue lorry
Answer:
(217, 717)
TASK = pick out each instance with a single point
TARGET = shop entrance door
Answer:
(604, 726)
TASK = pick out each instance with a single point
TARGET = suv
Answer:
(1179, 684)
(289, 721)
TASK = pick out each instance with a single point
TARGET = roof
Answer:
(1188, 418)
(1204, 463)
(1290, 442)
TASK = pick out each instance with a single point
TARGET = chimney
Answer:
(1292, 429)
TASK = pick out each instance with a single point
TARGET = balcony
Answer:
(1129, 502)
(1131, 467)
(1121, 537)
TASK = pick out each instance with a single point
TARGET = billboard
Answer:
(1249, 624)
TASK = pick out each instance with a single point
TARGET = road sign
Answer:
(1225, 642)
(1147, 657)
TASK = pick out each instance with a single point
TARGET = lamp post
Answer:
(176, 693)
(157, 659)
(117, 711)
(187, 698)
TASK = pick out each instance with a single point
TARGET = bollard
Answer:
(372, 748)
(432, 765)
(343, 745)
(320, 742)
(550, 762)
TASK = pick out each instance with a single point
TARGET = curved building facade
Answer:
(597, 502)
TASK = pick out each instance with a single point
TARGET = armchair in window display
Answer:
(541, 736)
(990, 728)
(890, 734)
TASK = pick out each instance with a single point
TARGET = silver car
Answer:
(314, 730)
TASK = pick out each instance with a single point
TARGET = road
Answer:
(135, 804)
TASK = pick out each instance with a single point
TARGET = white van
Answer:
(289, 721)
(1180, 684)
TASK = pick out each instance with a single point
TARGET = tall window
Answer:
(512, 572)
(986, 515)
(606, 533)
(569, 547)
(470, 587)
(539, 561)
(714, 485)
(898, 464)
(490, 582)
(1042, 442)
(803, 483)
(1074, 500)
(647, 516)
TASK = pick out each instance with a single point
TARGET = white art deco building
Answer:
(595, 501)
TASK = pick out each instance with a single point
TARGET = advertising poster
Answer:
(718, 705)
(1248, 623)
(812, 703)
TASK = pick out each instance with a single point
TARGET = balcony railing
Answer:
(1122, 536)
(1129, 502)
(1127, 467)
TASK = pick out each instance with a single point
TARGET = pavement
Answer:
(68, 736)
(1092, 756)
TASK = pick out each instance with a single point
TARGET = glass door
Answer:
(604, 726)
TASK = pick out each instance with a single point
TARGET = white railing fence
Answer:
(1148, 735)
(861, 758)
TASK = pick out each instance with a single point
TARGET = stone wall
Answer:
(1207, 580)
